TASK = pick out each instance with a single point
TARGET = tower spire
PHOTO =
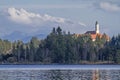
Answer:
(97, 27)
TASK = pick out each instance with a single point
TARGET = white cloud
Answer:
(31, 23)
(23, 16)
(82, 24)
(109, 6)
(19, 15)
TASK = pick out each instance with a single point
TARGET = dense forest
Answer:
(61, 47)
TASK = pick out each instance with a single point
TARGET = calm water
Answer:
(59, 72)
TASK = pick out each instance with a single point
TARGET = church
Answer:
(95, 33)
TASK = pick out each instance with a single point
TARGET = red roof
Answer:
(94, 35)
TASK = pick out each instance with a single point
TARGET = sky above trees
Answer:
(32, 17)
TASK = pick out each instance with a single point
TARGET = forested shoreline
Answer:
(61, 47)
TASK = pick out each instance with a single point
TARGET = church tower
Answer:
(97, 28)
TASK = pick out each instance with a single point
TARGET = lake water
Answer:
(59, 72)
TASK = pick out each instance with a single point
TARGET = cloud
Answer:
(19, 16)
(82, 24)
(23, 16)
(30, 23)
(109, 6)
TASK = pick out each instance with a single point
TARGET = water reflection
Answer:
(59, 74)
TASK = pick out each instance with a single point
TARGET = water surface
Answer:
(59, 72)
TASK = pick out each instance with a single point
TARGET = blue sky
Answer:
(32, 17)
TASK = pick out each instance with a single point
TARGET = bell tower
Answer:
(97, 28)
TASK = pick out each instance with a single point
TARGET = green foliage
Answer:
(5, 46)
(61, 48)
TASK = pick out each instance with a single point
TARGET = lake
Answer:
(59, 72)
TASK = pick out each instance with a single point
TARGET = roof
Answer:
(90, 32)
(93, 36)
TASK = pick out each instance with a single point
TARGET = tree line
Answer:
(60, 47)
